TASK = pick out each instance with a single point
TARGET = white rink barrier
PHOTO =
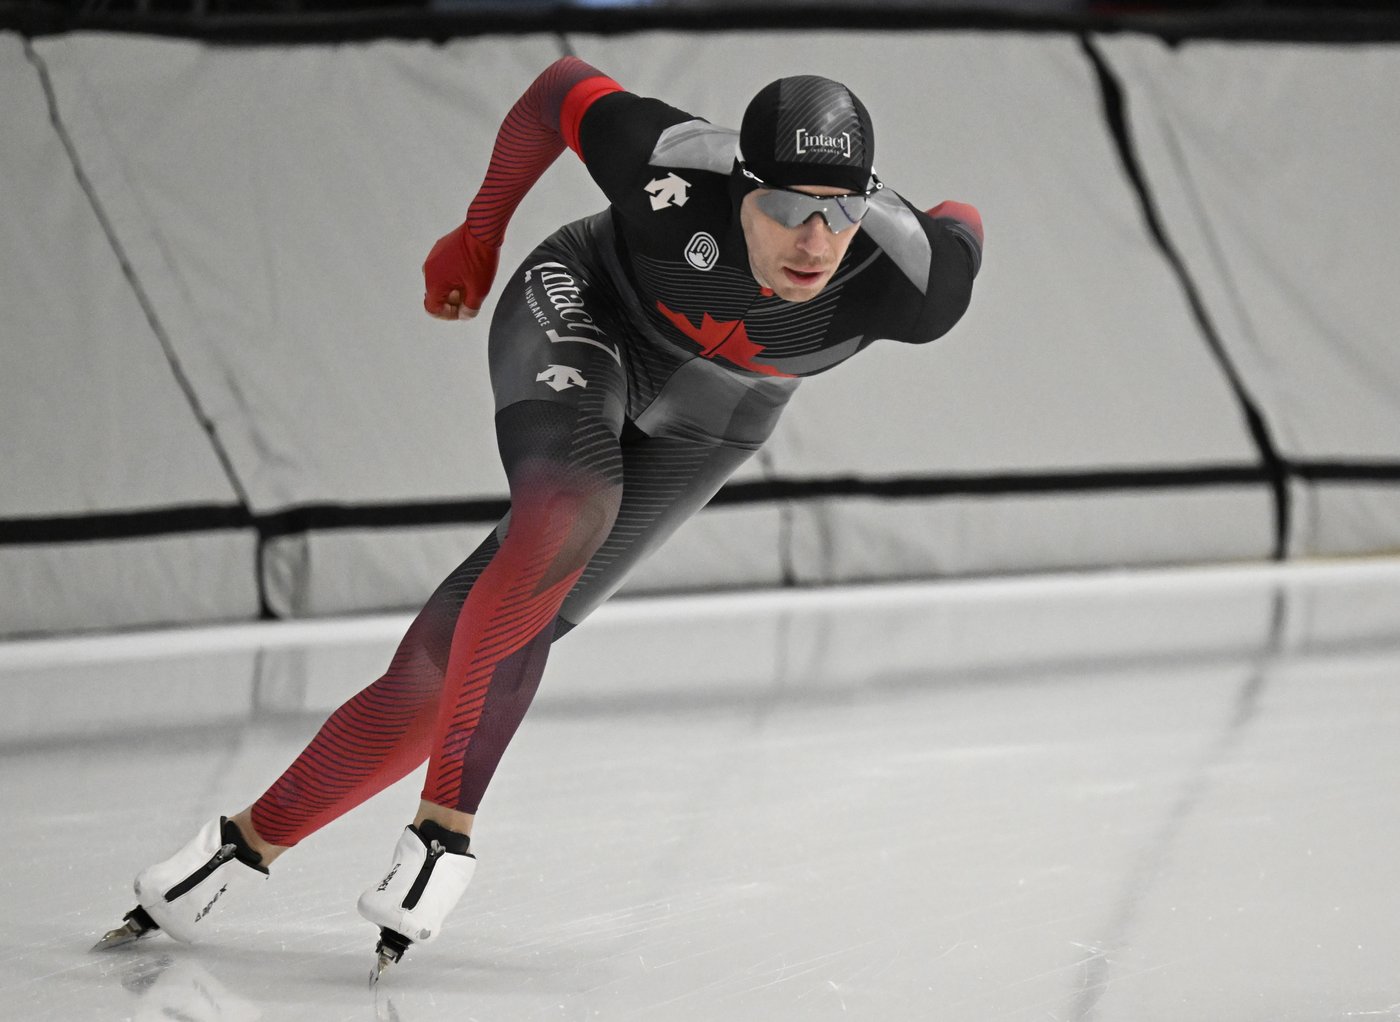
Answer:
(736, 646)
(249, 410)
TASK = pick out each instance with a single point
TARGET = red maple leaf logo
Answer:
(727, 338)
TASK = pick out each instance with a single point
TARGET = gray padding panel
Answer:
(91, 417)
(867, 540)
(276, 205)
(128, 583)
(1273, 166)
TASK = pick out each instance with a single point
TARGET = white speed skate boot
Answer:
(429, 873)
(179, 894)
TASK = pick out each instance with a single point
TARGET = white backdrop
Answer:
(1273, 166)
(90, 416)
(273, 206)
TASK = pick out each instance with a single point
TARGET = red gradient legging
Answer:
(461, 681)
(468, 667)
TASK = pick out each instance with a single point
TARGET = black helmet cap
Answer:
(808, 130)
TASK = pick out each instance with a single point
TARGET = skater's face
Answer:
(794, 262)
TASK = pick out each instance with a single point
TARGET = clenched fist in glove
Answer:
(458, 273)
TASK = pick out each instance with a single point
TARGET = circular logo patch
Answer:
(702, 251)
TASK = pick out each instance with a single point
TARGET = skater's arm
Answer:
(461, 266)
(965, 223)
(955, 238)
(543, 121)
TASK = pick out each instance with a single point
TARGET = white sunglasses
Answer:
(792, 208)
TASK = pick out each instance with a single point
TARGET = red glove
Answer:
(458, 273)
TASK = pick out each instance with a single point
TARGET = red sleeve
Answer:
(576, 104)
(542, 121)
(964, 214)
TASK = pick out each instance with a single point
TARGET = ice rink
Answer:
(1109, 797)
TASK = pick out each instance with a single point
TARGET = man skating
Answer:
(638, 357)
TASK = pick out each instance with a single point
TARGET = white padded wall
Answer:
(1274, 168)
(275, 205)
(92, 421)
(278, 203)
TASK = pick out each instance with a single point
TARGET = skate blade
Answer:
(390, 949)
(127, 933)
(135, 924)
(381, 965)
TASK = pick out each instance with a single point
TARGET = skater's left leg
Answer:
(564, 470)
(560, 400)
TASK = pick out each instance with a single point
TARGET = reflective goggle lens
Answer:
(793, 209)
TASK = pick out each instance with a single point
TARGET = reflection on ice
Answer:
(181, 988)
(1104, 800)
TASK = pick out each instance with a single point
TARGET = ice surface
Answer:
(1115, 799)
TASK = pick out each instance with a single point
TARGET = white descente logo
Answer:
(668, 191)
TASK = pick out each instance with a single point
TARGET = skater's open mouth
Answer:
(802, 277)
